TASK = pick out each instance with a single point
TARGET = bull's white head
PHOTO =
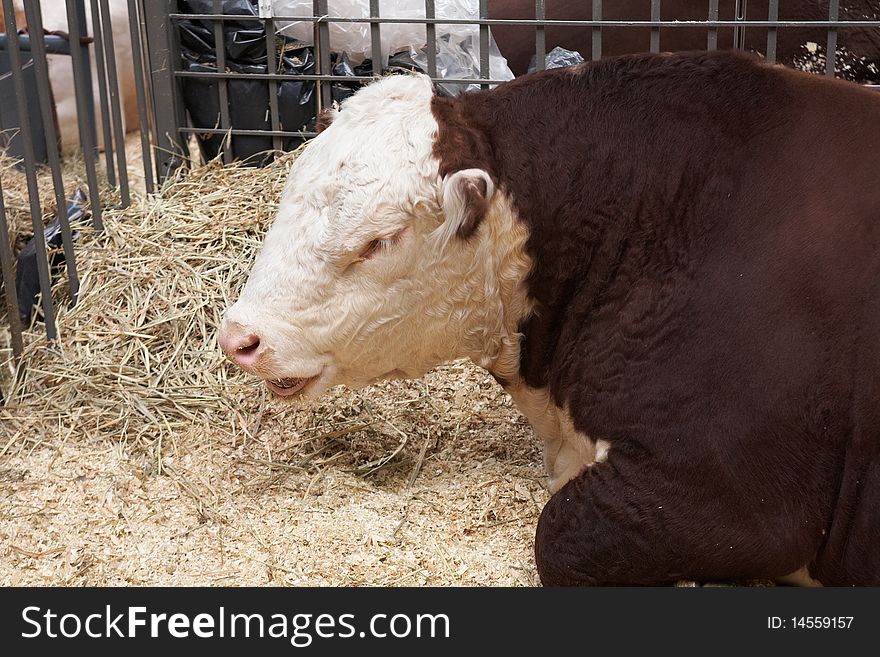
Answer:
(365, 274)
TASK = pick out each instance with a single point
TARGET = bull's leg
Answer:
(851, 554)
(621, 522)
(592, 533)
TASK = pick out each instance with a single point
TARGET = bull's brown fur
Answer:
(705, 232)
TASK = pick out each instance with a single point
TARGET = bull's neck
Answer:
(558, 216)
(492, 336)
(597, 169)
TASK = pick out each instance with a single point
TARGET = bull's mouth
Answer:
(289, 386)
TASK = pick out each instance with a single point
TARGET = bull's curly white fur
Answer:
(319, 307)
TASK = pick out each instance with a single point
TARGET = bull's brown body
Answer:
(705, 232)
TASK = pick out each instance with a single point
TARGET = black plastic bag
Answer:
(244, 40)
(296, 98)
(27, 277)
(248, 100)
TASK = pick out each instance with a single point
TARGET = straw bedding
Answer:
(132, 453)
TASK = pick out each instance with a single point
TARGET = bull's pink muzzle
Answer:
(242, 346)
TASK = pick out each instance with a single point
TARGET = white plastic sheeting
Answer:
(458, 46)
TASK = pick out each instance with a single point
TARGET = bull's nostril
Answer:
(242, 349)
(249, 346)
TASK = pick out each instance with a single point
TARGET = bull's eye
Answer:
(379, 245)
(376, 246)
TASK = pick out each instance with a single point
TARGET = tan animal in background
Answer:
(61, 72)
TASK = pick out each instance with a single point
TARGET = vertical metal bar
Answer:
(272, 61)
(376, 38)
(9, 281)
(88, 89)
(484, 43)
(772, 15)
(85, 109)
(540, 36)
(102, 93)
(739, 31)
(223, 83)
(34, 20)
(597, 31)
(655, 31)
(137, 60)
(115, 110)
(30, 164)
(161, 83)
(431, 35)
(322, 45)
(167, 105)
(831, 47)
(154, 49)
(712, 39)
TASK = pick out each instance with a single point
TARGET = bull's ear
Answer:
(466, 198)
(324, 119)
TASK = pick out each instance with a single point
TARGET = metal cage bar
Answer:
(223, 87)
(540, 36)
(164, 91)
(54, 44)
(431, 38)
(304, 77)
(484, 44)
(30, 163)
(772, 15)
(272, 67)
(740, 16)
(137, 60)
(322, 48)
(596, 51)
(831, 47)
(655, 31)
(82, 38)
(712, 38)
(173, 16)
(77, 46)
(101, 70)
(115, 109)
(33, 16)
(82, 81)
(376, 37)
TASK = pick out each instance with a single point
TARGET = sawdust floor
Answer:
(446, 493)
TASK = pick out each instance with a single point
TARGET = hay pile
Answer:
(133, 453)
(140, 346)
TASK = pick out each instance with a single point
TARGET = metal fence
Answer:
(216, 76)
(35, 141)
(166, 82)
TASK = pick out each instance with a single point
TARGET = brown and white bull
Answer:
(671, 263)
